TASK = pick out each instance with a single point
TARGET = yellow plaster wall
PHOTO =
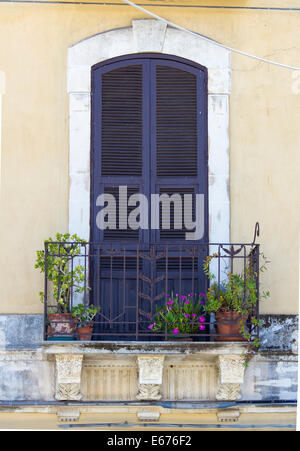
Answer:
(264, 132)
(283, 419)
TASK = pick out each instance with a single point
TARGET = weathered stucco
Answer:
(279, 332)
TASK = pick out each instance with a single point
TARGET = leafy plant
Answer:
(60, 269)
(84, 315)
(238, 294)
(180, 315)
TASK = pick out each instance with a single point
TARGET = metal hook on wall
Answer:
(256, 233)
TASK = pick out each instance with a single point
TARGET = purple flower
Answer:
(203, 295)
(201, 327)
(183, 297)
(187, 302)
(202, 319)
(187, 315)
(194, 315)
(151, 326)
(175, 331)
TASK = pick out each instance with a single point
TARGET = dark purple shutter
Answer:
(180, 140)
(118, 140)
(149, 132)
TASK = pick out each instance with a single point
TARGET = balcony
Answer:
(129, 283)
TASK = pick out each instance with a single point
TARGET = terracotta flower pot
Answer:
(229, 325)
(85, 333)
(62, 324)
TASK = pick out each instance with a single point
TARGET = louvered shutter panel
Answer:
(173, 233)
(119, 234)
(179, 118)
(122, 121)
(118, 137)
(176, 122)
(149, 132)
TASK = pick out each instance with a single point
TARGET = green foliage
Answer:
(239, 294)
(84, 315)
(180, 315)
(58, 265)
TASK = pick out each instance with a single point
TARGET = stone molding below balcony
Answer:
(222, 363)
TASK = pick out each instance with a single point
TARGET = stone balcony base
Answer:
(112, 372)
(147, 371)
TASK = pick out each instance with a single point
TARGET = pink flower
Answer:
(201, 327)
(151, 326)
(203, 295)
(187, 315)
(170, 302)
(187, 302)
(194, 315)
(202, 319)
(183, 297)
(175, 331)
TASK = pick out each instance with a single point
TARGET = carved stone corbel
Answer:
(231, 377)
(150, 377)
(228, 415)
(67, 414)
(68, 377)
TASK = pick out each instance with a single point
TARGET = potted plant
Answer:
(181, 315)
(233, 302)
(65, 277)
(84, 316)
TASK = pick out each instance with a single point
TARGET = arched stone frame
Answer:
(148, 35)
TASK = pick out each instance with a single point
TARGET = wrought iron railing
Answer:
(128, 282)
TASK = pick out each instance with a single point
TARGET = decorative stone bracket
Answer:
(68, 414)
(150, 377)
(68, 377)
(231, 377)
(230, 369)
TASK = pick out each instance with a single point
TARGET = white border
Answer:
(148, 35)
